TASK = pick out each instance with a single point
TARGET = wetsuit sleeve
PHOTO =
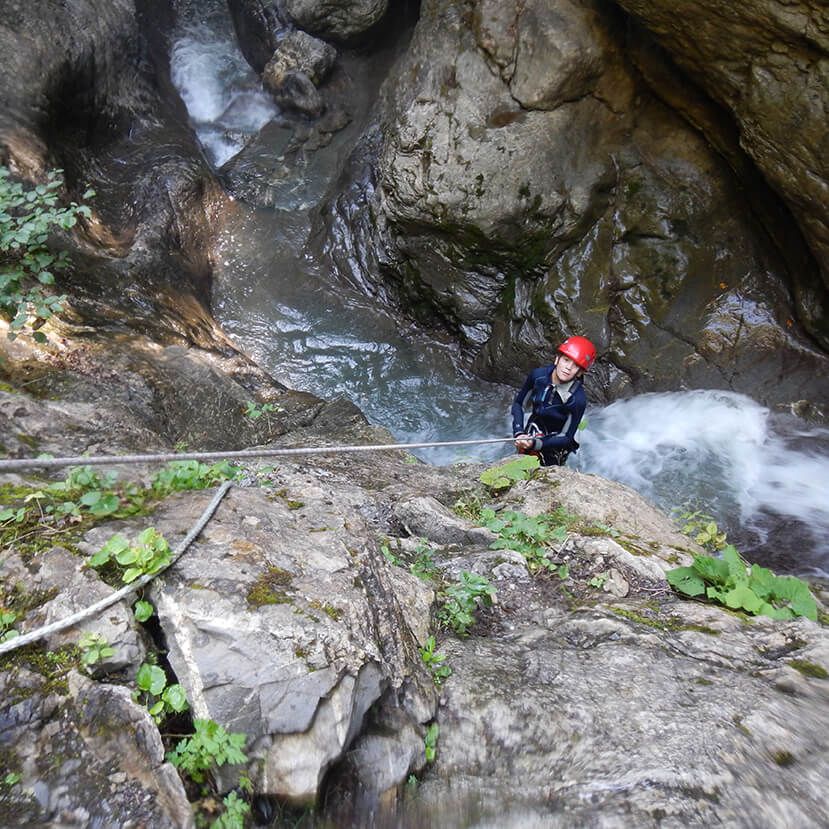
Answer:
(517, 409)
(565, 440)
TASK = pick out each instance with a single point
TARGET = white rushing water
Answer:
(756, 473)
(223, 95)
(762, 476)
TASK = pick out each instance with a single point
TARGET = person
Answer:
(558, 404)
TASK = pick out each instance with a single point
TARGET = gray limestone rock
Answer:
(335, 19)
(84, 755)
(524, 183)
(283, 622)
(298, 66)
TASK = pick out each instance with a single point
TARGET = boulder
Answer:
(335, 19)
(285, 622)
(298, 66)
(86, 89)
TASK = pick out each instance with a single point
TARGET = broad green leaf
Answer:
(761, 581)
(131, 574)
(89, 499)
(143, 610)
(713, 570)
(151, 678)
(100, 558)
(743, 597)
(686, 580)
(175, 698)
(736, 566)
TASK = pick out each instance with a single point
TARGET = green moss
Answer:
(332, 612)
(809, 669)
(53, 666)
(267, 589)
(30, 441)
(295, 504)
(7, 388)
(783, 758)
(672, 623)
(701, 680)
(741, 727)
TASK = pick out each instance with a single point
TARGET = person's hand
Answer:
(523, 443)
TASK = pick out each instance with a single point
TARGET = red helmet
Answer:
(580, 350)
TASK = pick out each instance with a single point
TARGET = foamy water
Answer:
(223, 95)
(722, 453)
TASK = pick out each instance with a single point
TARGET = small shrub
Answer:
(235, 812)
(529, 536)
(461, 599)
(501, 477)
(160, 698)
(430, 742)
(434, 661)
(208, 748)
(755, 589)
(149, 555)
(178, 476)
(94, 649)
(27, 266)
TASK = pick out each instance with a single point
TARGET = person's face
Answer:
(565, 369)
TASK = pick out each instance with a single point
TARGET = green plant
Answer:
(27, 266)
(503, 476)
(142, 610)
(233, 817)
(598, 581)
(254, 411)
(209, 747)
(153, 691)
(434, 661)
(389, 555)
(461, 599)
(94, 649)
(423, 565)
(178, 476)
(703, 529)
(468, 506)
(7, 619)
(149, 555)
(524, 534)
(753, 589)
(430, 741)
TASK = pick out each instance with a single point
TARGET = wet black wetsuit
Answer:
(555, 420)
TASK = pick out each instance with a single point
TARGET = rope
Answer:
(101, 460)
(69, 621)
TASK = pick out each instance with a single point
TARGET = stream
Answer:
(762, 476)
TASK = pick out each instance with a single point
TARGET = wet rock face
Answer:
(768, 62)
(523, 184)
(81, 91)
(298, 66)
(335, 19)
